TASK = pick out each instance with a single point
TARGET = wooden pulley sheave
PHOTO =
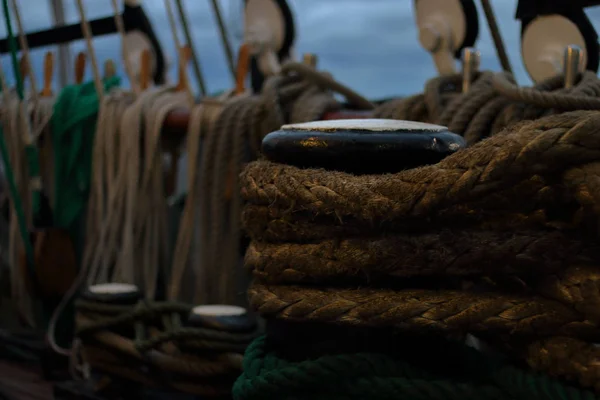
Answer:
(548, 27)
(446, 27)
(269, 32)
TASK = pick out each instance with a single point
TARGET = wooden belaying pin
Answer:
(310, 59)
(573, 60)
(185, 54)
(145, 69)
(48, 73)
(80, 62)
(110, 69)
(471, 59)
(242, 68)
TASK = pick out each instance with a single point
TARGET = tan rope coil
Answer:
(498, 240)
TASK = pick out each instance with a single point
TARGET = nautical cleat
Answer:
(361, 146)
(221, 317)
(446, 27)
(113, 293)
(269, 29)
(548, 27)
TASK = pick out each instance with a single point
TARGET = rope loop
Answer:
(326, 81)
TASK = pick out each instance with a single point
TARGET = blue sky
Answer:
(369, 45)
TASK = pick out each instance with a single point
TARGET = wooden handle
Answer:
(185, 54)
(23, 68)
(80, 62)
(243, 66)
(310, 59)
(48, 73)
(145, 69)
(110, 69)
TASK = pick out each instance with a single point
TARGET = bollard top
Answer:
(113, 293)
(365, 126)
(221, 317)
(361, 146)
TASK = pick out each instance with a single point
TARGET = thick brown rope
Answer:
(552, 145)
(500, 239)
(436, 310)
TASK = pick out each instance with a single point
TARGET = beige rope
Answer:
(188, 217)
(25, 50)
(128, 266)
(152, 221)
(124, 49)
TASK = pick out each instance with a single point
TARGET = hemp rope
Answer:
(181, 253)
(493, 103)
(24, 141)
(98, 324)
(508, 247)
(152, 223)
(299, 94)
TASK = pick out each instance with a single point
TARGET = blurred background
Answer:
(370, 45)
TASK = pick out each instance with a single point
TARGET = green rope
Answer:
(17, 201)
(73, 127)
(383, 376)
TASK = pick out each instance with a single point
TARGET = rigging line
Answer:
(25, 49)
(496, 36)
(87, 32)
(189, 39)
(180, 51)
(64, 56)
(224, 37)
(124, 48)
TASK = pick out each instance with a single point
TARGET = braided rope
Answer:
(377, 376)
(502, 234)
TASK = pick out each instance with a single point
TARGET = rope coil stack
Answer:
(150, 343)
(498, 240)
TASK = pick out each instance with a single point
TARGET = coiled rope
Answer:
(414, 370)
(121, 339)
(498, 240)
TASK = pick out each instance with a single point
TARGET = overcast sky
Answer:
(369, 45)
